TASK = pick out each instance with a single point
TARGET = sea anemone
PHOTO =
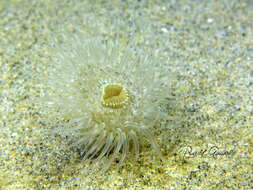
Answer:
(111, 96)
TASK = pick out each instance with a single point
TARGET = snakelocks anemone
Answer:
(112, 96)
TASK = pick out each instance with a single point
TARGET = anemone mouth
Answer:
(114, 96)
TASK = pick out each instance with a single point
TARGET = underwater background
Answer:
(208, 45)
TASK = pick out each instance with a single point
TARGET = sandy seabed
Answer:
(209, 44)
